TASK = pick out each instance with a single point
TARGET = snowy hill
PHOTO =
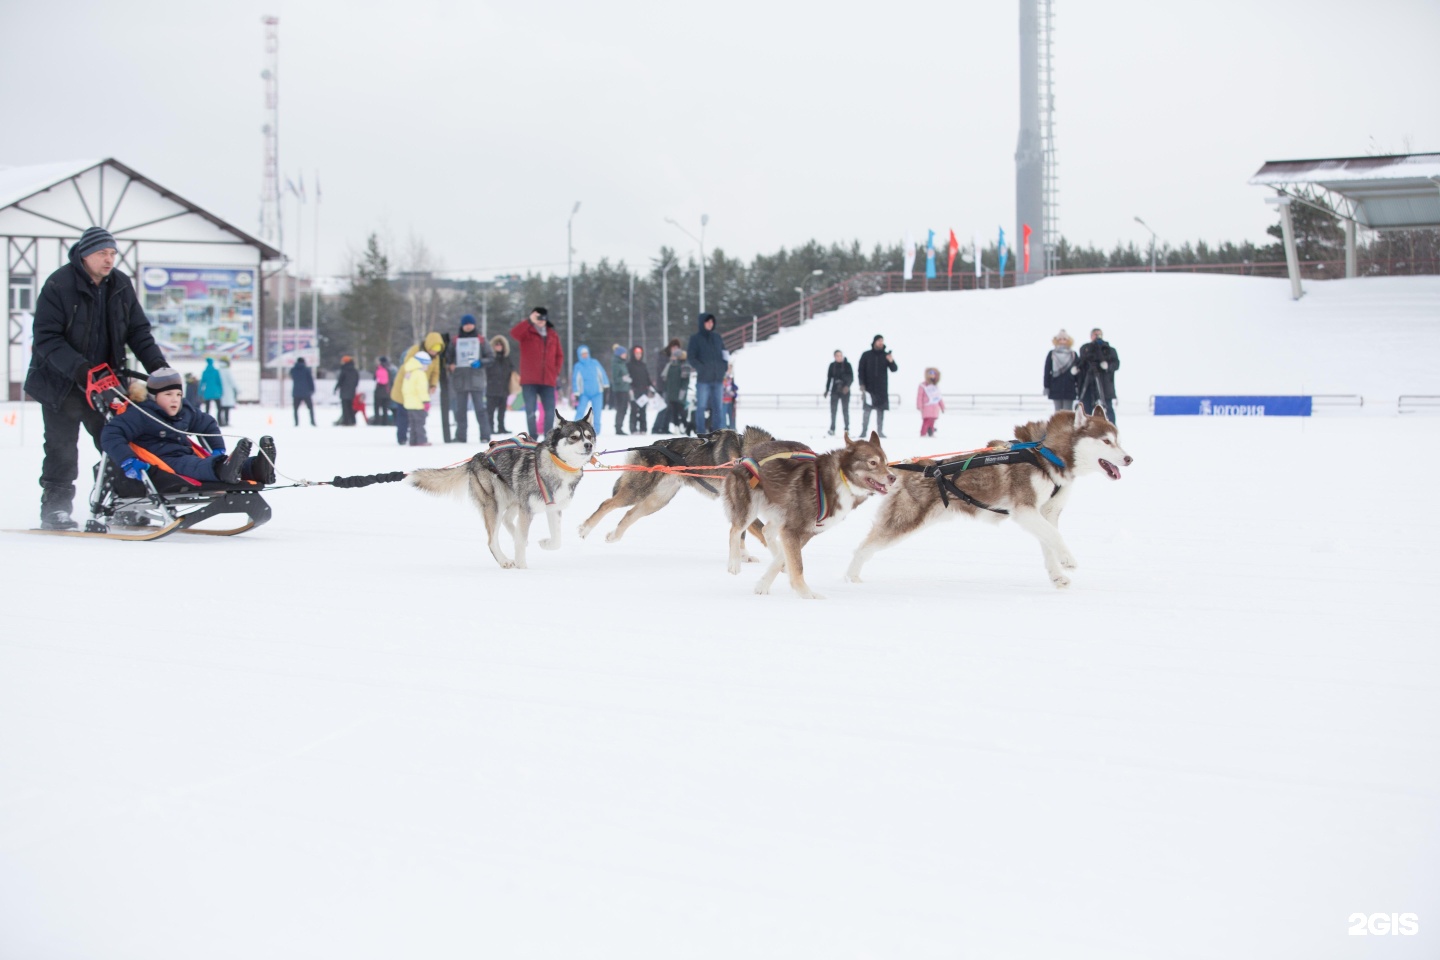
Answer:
(1188, 333)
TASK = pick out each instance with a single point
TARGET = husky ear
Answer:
(1099, 413)
(589, 417)
(848, 441)
(1080, 417)
(875, 438)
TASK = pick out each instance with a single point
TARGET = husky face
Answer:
(573, 440)
(1097, 445)
(866, 466)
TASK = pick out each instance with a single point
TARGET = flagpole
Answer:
(314, 271)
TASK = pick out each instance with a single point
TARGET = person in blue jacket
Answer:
(167, 427)
(211, 386)
(588, 381)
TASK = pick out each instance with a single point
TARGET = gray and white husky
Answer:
(1031, 493)
(516, 480)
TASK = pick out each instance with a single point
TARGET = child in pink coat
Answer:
(929, 402)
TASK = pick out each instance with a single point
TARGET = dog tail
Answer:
(443, 480)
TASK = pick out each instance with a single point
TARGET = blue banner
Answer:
(930, 257)
(1004, 255)
(1232, 406)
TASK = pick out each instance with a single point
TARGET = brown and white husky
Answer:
(1032, 492)
(799, 495)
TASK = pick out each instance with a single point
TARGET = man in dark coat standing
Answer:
(709, 360)
(837, 387)
(468, 358)
(640, 385)
(1096, 372)
(302, 390)
(87, 315)
(347, 381)
(876, 365)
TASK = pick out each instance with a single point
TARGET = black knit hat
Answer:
(96, 238)
(541, 310)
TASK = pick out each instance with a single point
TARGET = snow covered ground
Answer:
(350, 734)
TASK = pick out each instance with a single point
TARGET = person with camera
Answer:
(837, 387)
(876, 365)
(87, 315)
(1096, 372)
(541, 359)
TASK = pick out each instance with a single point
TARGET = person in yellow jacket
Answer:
(415, 394)
(434, 345)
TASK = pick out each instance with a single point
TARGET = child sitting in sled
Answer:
(160, 426)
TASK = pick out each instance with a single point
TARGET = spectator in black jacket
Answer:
(640, 385)
(302, 390)
(497, 383)
(709, 359)
(87, 315)
(837, 387)
(876, 365)
(1096, 372)
(347, 381)
(1060, 371)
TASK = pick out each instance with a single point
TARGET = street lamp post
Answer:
(664, 267)
(801, 292)
(1152, 242)
(569, 285)
(704, 219)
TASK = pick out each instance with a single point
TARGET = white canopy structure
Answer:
(1398, 192)
(45, 208)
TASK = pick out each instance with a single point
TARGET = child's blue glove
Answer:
(134, 468)
(474, 364)
(218, 453)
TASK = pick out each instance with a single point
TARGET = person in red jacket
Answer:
(541, 358)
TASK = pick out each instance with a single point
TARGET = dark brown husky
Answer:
(799, 495)
(645, 492)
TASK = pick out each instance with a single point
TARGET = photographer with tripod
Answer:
(1096, 373)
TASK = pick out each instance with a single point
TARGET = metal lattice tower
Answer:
(270, 227)
(1051, 217)
(1036, 173)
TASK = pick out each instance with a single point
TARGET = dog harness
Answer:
(523, 442)
(823, 509)
(943, 474)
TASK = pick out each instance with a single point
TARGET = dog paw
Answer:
(1068, 561)
(612, 536)
(811, 595)
(507, 564)
(751, 558)
(548, 544)
(763, 589)
(1060, 580)
(584, 531)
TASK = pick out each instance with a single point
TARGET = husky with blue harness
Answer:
(1027, 480)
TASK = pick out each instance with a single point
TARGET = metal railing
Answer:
(954, 402)
(1417, 403)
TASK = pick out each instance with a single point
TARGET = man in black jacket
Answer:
(640, 385)
(347, 381)
(876, 365)
(709, 359)
(837, 387)
(1096, 373)
(87, 315)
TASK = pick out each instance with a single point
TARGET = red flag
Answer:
(954, 249)
(1025, 229)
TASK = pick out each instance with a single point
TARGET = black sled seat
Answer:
(161, 500)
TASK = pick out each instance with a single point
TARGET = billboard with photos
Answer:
(201, 311)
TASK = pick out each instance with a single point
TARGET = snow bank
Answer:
(1176, 334)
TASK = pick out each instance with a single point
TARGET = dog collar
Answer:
(561, 463)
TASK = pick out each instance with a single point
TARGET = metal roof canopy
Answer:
(1400, 192)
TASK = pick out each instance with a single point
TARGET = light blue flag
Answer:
(930, 257)
(1004, 255)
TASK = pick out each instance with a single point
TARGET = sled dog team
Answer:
(785, 494)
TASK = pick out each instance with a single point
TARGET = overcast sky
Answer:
(476, 126)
